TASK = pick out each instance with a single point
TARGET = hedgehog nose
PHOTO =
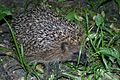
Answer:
(75, 55)
(83, 58)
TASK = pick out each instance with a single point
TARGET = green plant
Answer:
(4, 11)
(118, 4)
(102, 56)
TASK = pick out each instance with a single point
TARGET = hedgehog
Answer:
(45, 36)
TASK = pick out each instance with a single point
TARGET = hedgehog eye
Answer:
(64, 46)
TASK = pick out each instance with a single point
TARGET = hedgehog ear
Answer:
(64, 46)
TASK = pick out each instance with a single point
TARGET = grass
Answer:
(99, 41)
(20, 55)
